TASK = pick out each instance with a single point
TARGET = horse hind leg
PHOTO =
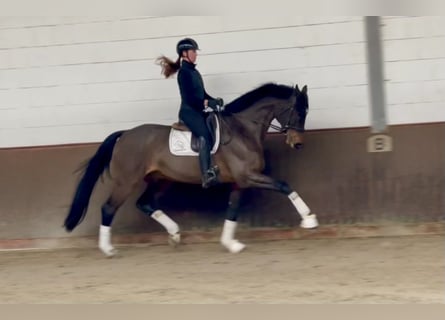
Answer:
(148, 205)
(118, 196)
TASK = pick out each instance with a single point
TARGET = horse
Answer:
(143, 154)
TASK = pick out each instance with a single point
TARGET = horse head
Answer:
(292, 118)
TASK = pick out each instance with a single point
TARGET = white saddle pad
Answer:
(180, 142)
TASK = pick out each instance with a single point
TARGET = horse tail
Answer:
(94, 169)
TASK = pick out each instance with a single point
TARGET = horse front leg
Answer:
(228, 234)
(257, 180)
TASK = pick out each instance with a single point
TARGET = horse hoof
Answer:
(109, 251)
(234, 246)
(174, 239)
(309, 222)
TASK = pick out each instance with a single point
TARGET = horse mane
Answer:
(266, 90)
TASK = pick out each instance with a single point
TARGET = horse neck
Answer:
(260, 115)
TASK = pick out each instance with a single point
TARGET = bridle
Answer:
(287, 126)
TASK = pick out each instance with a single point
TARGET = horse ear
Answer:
(304, 89)
(296, 88)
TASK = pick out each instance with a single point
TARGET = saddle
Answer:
(181, 134)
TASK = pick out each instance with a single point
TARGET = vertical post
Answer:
(375, 74)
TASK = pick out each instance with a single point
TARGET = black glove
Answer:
(216, 104)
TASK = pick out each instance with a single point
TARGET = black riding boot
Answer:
(209, 174)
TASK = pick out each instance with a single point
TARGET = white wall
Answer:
(68, 80)
(414, 53)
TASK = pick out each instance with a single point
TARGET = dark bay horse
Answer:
(142, 154)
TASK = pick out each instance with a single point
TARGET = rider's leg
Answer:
(209, 173)
(197, 124)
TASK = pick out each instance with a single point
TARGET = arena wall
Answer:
(67, 82)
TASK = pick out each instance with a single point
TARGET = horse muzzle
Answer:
(294, 139)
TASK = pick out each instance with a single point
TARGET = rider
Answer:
(194, 99)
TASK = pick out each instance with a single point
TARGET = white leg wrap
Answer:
(105, 241)
(299, 204)
(227, 237)
(308, 220)
(169, 225)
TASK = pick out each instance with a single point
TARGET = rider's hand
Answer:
(220, 102)
(216, 104)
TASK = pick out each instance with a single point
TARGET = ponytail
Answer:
(169, 67)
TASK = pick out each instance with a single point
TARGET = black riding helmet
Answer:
(186, 44)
